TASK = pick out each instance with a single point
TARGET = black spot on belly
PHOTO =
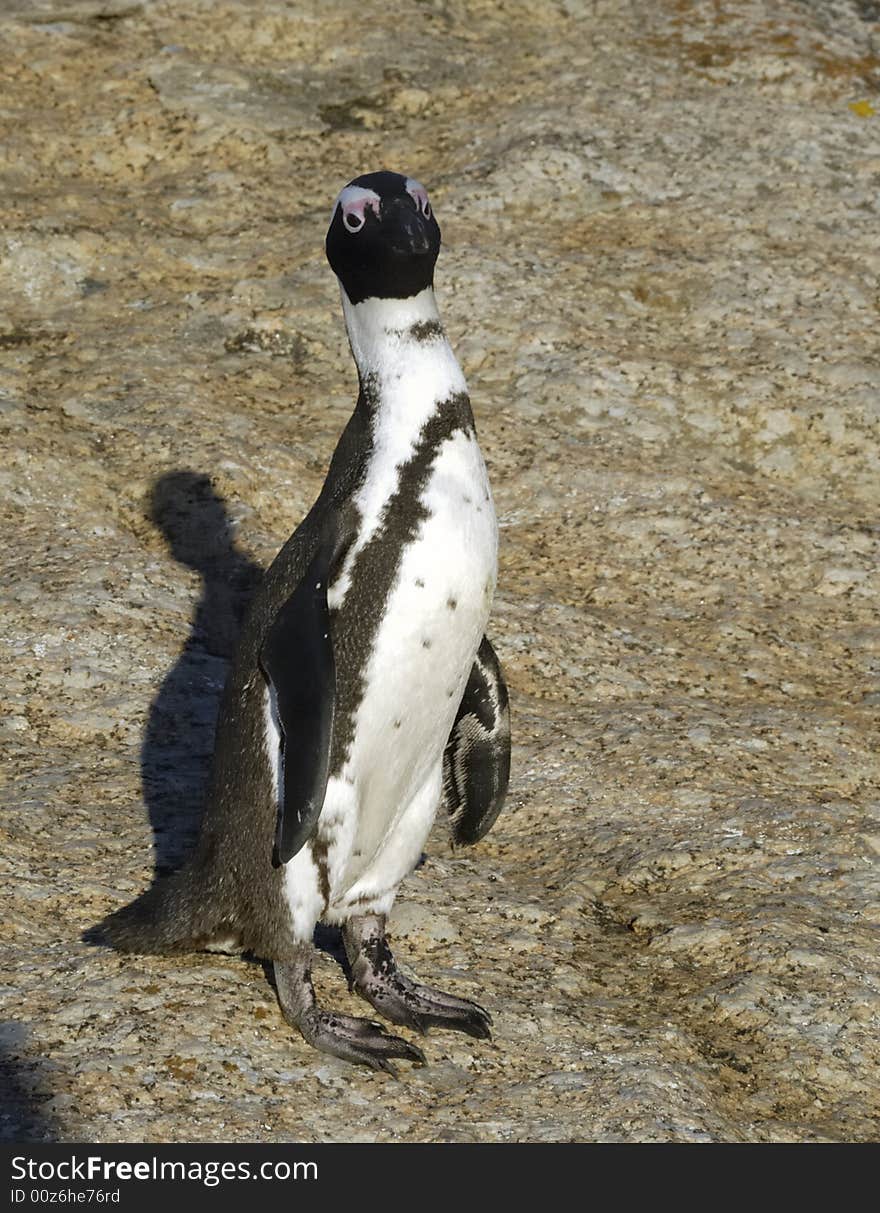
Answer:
(420, 583)
(398, 723)
(452, 603)
(426, 644)
(426, 330)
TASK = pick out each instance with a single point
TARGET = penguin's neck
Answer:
(406, 366)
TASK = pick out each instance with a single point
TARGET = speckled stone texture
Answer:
(660, 272)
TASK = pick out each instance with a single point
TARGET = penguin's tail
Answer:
(162, 919)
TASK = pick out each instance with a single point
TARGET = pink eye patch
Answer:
(420, 194)
(353, 202)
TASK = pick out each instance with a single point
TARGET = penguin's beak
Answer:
(405, 228)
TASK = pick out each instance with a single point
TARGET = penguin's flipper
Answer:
(297, 660)
(476, 761)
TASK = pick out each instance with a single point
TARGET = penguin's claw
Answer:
(362, 1041)
(419, 1007)
(376, 977)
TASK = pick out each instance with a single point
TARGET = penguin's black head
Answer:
(383, 238)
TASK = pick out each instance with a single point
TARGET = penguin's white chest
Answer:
(378, 809)
(423, 652)
(438, 607)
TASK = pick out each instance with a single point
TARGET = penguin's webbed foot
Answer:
(375, 976)
(362, 1041)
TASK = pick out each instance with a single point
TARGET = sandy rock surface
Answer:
(660, 272)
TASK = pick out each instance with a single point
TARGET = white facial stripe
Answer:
(420, 194)
(354, 200)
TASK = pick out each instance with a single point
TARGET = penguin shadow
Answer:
(179, 737)
(23, 1093)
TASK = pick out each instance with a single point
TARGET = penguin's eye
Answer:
(353, 221)
(426, 209)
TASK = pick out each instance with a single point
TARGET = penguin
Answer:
(364, 693)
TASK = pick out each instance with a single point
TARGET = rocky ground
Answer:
(661, 275)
